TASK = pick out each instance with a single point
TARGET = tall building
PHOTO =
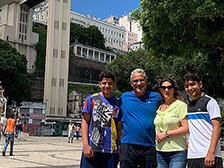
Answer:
(57, 58)
(134, 32)
(16, 27)
(114, 34)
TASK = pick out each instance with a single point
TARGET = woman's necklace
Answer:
(166, 105)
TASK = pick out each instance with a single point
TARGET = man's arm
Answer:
(88, 152)
(210, 157)
(119, 133)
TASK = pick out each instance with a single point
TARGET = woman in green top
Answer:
(171, 126)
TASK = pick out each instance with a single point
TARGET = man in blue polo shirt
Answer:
(138, 135)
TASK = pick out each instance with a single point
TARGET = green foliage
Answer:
(88, 36)
(123, 65)
(13, 68)
(188, 33)
(84, 89)
(41, 50)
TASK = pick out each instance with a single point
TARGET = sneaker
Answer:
(3, 153)
(11, 154)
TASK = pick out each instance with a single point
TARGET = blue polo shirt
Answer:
(138, 116)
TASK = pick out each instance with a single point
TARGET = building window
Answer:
(37, 121)
(60, 110)
(63, 53)
(56, 24)
(65, 1)
(24, 110)
(61, 83)
(64, 26)
(78, 51)
(37, 110)
(55, 52)
(52, 110)
(53, 82)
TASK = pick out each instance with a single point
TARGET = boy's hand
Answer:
(88, 152)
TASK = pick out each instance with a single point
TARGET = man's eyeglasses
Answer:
(138, 80)
(166, 87)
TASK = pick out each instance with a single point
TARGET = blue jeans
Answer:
(176, 159)
(9, 138)
(132, 156)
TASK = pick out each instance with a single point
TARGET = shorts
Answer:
(71, 135)
(18, 132)
(100, 160)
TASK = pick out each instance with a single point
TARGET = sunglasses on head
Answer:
(166, 87)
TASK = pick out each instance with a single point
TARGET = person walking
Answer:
(70, 132)
(138, 134)
(9, 132)
(18, 129)
(101, 126)
(77, 129)
(204, 120)
(171, 126)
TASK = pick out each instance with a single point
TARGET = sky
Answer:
(104, 8)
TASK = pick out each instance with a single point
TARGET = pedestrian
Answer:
(101, 126)
(171, 126)
(70, 132)
(138, 134)
(77, 129)
(204, 120)
(18, 129)
(9, 132)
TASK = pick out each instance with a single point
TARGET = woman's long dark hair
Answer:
(176, 93)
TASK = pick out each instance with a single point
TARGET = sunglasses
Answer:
(166, 87)
(138, 80)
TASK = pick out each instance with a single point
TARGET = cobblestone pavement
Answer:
(47, 152)
(42, 152)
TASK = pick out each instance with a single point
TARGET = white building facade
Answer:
(134, 33)
(114, 34)
(16, 27)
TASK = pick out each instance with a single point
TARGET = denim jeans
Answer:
(176, 159)
(132, 156)
(9, 138)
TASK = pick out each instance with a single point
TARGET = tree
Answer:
(123, 65)
(187, 29)
(88, 36)
(41, 50)
(13, 68)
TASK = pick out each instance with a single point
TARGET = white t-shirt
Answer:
(200, 114)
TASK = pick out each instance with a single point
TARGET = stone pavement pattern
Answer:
(42, 152)
(47, 152)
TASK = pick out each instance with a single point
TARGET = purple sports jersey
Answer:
(104, 113)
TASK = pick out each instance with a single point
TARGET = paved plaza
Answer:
(45, 152)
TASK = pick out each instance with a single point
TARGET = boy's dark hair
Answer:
(106, 74)
(12, 115)
(191, 76)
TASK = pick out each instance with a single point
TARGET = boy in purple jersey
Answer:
(101, 126)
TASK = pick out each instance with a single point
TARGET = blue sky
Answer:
(104, 8)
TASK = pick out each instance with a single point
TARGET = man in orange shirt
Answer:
(10, 129)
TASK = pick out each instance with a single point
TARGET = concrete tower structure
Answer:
(16, 27)
(57, 58)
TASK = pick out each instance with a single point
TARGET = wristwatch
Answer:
(167, 135)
